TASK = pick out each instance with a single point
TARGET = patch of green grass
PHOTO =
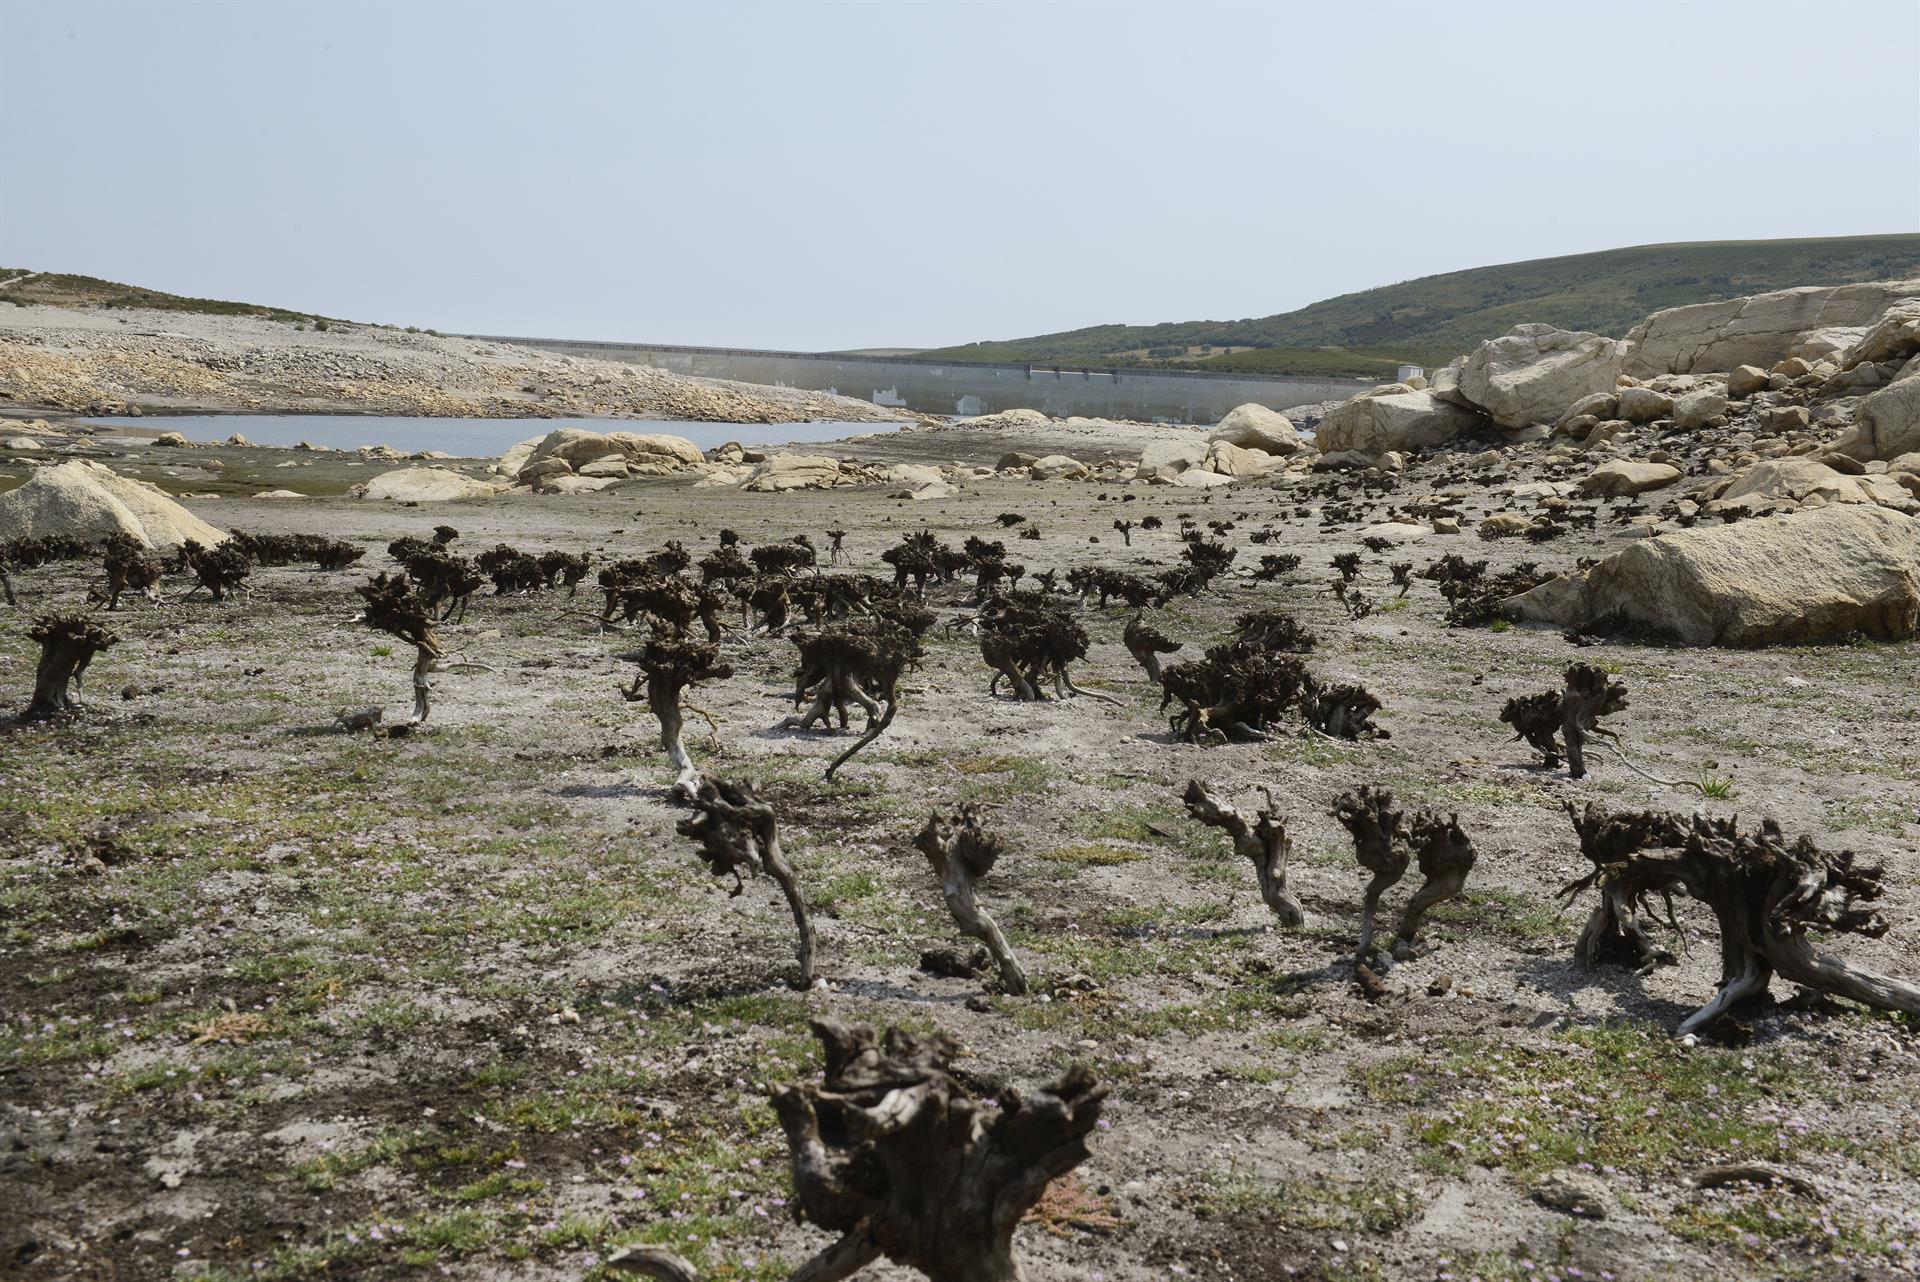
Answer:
(1370, 1205)
(1495, 910)
(1621, 1096)
(1146, 919)
(1451, 793)
(1098, 855)
(1712, 785)
(1763, 1226)
(1887, 819)
(1255, 1072)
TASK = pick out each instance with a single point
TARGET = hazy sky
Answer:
(819, 176)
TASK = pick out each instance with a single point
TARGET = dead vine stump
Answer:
(898, 1157)
(1264, 842)
(1441, 848)
(740, 836)
(393, 608)
(669, 665)
(961, 852)
(68, 643)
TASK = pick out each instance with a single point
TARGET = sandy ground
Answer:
(284, 1001)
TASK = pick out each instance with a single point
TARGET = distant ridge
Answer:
(1431, 320)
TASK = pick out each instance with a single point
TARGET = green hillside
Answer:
(1431, 320)
(56, 289)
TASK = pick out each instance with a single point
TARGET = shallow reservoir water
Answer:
(467, 437)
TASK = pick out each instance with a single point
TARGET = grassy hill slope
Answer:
(1431, 320)
(55, 289)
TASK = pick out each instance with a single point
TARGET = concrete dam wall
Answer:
(961, 388)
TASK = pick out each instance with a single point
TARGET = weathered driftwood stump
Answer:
(1264, 841)
(393, 608)
(668, 665)
(443, 582)
(896, 1156)
(740, 836)
(961, 852)
(1029, 640)
(1385, 846)
(1373, 820)
(1445, 855)
(1769, 895)
(1271, 631)
(68, 643)
(1232, 694)
(1342, 711)
(1588, 697)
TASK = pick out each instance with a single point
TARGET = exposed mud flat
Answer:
(288, 1001)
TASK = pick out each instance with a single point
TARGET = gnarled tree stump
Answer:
(129, 563)
(393, 608)
(1384, 844)
(1146, 644)
(1769, 895)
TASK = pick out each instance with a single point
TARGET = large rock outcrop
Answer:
(1886, 423)
(1230, 460)
(646, 453)
(1395, 417)
(1625, 476)
(1059, 467)
(1795, 480)
(1536, 373)
(1255, 427)
(1820, 575)
(426, 485)
(1007, 421)
(1894, 337)
(87, 500)
(792, 472)
(1760, 329)
(1163, 461)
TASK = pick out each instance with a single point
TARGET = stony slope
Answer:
(112, 360)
